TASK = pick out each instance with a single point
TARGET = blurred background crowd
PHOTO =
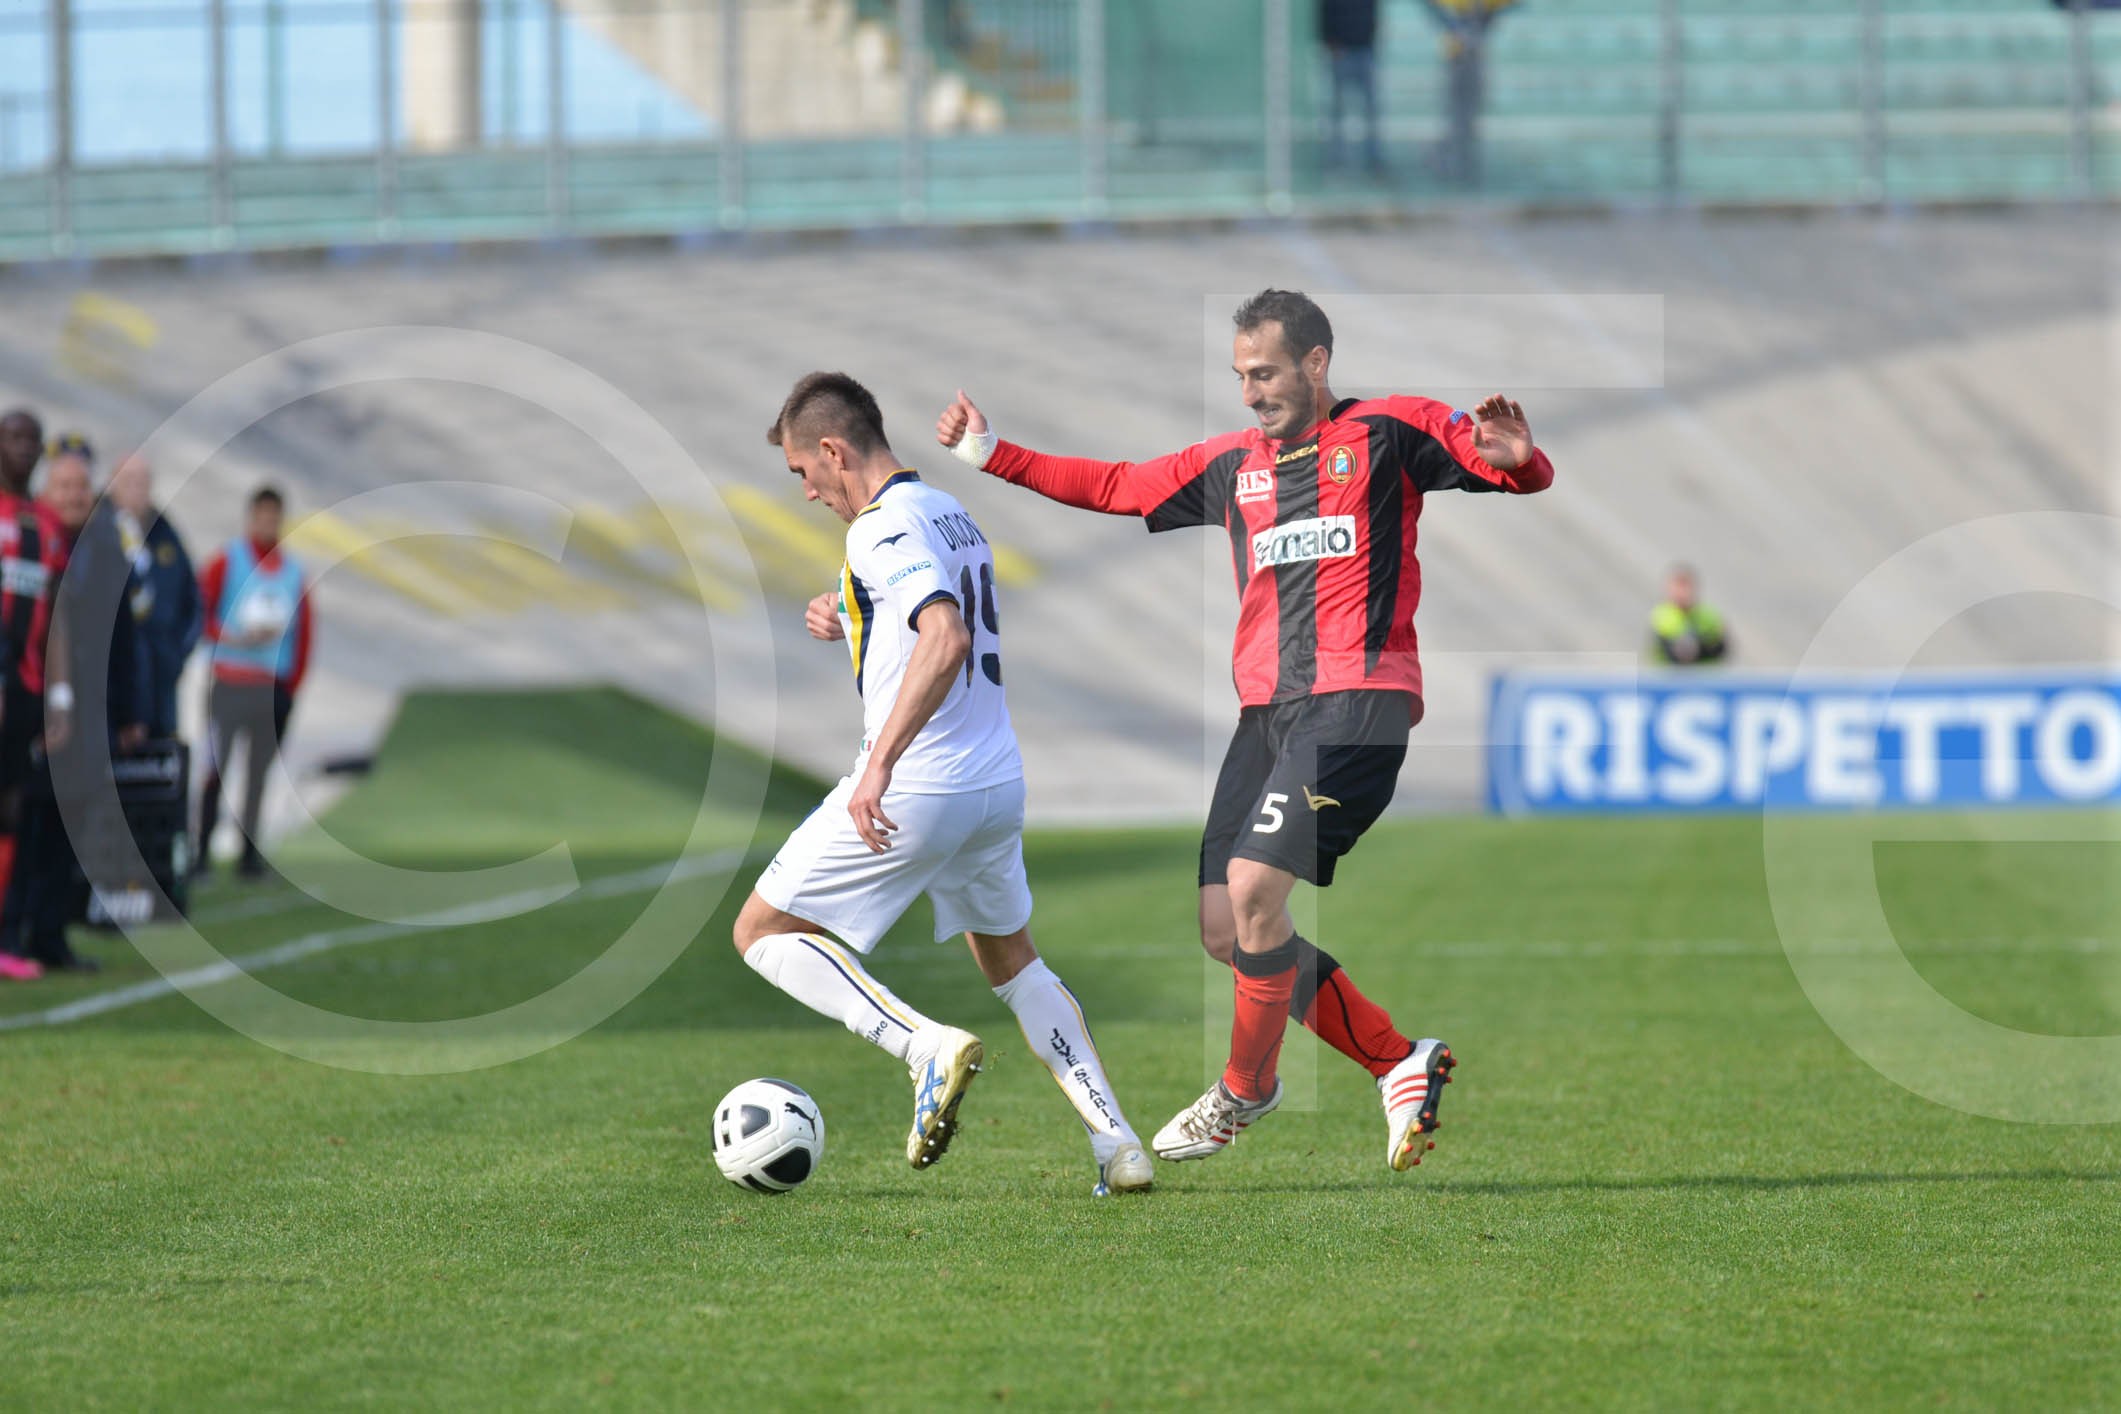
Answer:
(102, 609)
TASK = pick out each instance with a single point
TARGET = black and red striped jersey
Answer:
(1322, 531)
(32, 557)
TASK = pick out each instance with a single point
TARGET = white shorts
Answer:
(965, 851)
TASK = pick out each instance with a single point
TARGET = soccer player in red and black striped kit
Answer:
(1320, 501)
(32, 557)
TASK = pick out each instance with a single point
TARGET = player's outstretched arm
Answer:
(1501, 434)
(1116, 488)
(1502, 437)
(1490, 449)
(938, 657)
(963, 428)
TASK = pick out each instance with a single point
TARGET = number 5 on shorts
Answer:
(1270, 813)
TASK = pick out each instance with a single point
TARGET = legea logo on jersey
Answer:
(1324, 538)
(1255, 485)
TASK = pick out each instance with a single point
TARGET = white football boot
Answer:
(1127, 1171)
(1411, 1091)
(1208, 1125)
(939, 1083)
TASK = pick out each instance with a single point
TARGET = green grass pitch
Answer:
(1661, 1182)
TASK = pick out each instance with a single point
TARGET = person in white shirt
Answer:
(935, 803)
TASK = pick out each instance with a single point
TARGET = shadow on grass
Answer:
(1712, 1182)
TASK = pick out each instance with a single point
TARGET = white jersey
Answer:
(912, 545)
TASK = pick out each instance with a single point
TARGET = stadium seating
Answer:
(1975, 99)
(1766, 103)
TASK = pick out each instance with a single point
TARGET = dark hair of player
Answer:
(1304, 325)
(268, 496)
(830, 405)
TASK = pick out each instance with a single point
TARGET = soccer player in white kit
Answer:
(935, 803)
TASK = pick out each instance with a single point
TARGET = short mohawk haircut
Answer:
(829, 405)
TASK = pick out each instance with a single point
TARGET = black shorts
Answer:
(1303, 780)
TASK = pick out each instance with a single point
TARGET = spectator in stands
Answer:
(1683, 630)
(1465, 35)
(1349, 30)
(30, 560)
(258, 619)
(165, 601)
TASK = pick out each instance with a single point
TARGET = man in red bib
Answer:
(258, 621)
(1320, 500)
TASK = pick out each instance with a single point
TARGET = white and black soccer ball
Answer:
(768, 1135)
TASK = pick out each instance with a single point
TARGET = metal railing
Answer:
(186, 125)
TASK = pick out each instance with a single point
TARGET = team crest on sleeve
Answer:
(1342, 467)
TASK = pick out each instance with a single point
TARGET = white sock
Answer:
(1053, 1024)
(828, 979)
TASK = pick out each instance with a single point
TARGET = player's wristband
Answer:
(974, 448)
(59, 697)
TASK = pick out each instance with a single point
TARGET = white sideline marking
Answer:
(309, 945)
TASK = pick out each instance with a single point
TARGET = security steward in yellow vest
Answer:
(1684, 632)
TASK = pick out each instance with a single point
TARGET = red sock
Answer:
(1357, 1027)
(1265, 982)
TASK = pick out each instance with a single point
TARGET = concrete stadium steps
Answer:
(819, 68)
(807, 65)
(1827, 390)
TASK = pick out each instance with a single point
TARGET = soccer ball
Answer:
(768, 1136)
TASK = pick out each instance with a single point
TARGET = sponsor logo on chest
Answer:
(25, 578)
(1255, 485)
(1322, 538)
